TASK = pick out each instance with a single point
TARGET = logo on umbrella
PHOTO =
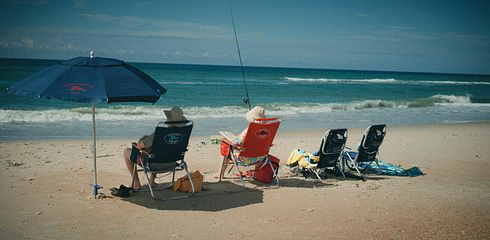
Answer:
(77, 88)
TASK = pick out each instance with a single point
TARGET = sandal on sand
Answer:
(122, 191)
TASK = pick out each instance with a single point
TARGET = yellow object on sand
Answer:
(302, 158)
(182, 184)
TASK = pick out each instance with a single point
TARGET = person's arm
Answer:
(145, 142)
(239, 139)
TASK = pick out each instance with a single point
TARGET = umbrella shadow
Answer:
(215, 196)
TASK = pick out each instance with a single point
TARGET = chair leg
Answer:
(149, 184)
(224, 165)
(316, 173)
(190, 179)
(239, 173)
(173, 180)
(231, 168)
(356, 166)
(342, 167)
(274, 172)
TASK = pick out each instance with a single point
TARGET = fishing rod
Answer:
(247, 99)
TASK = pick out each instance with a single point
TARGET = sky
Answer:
(422, 36)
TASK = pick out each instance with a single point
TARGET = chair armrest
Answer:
(227, 141)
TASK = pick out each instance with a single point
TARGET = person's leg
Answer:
(129, 165)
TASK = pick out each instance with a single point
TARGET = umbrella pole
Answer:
(96, 187)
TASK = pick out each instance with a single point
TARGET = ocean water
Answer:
(212, 96)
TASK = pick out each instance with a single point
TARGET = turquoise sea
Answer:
(213, 96)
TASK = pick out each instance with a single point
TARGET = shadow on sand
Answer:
(215, 196)
(300, 182)
(349, 176)
(284, 181)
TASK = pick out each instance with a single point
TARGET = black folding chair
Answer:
(167, 152)
(331, 148)
(368, 148)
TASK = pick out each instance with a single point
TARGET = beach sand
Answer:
(46, 192)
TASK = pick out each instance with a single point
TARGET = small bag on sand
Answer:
(183, 184)
(264, 173)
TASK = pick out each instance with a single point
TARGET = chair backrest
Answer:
(332, 145)
(259, 137)
(170, 143)
(370, 143)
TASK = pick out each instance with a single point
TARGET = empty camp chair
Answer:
(255, 144)
(168, 151)
(367, 150)
(331, 148)
(329, 154)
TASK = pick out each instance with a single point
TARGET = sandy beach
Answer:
(46, 192)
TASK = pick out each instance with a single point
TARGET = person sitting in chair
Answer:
(251, 116)
(144, 145)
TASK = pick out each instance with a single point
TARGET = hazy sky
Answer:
(433, 36)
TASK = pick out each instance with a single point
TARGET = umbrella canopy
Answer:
(91, 80)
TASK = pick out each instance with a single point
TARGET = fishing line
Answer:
(247, 99)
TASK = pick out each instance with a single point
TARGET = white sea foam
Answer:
(328, 80)
(381, 81)
(155, 114)
(449, 82)
(202, 83)
(441, 100)
(452, 99)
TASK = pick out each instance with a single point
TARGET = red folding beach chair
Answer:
(254, 149)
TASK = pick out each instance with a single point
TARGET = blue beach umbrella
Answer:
(91, 80)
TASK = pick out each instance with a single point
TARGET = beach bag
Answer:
(301, 158)
(182, 184)
(264, 173)
(224, 149)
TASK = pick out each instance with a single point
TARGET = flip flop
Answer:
(122, 191)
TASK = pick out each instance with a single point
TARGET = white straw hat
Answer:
(256, 112)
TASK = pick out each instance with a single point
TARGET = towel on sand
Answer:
(390, 169)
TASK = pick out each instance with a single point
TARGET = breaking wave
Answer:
(440, 100)
(154, 113)
(381, 81)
